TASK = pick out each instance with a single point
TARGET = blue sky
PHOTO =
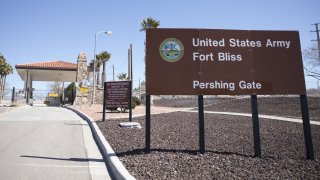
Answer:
(43, 30)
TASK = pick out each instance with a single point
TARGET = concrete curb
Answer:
(118, 171)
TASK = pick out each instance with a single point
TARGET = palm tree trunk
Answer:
(4, 84)
(1, 90)
(98, 78)
(103, 75)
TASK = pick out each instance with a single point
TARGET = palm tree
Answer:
(5, 69)
(149, 23)
(103, 57)
(123, 77)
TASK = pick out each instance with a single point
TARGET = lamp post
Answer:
(94, 62)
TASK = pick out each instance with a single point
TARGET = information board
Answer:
(117, 94)
(223, 62)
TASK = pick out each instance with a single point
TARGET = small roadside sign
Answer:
(84, 90)
(53, 95)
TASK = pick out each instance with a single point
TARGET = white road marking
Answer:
(260, 116)
(60, 166)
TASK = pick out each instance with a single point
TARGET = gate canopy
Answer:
(60, 71)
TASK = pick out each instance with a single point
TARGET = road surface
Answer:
(47, 143)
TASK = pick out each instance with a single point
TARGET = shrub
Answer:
(112, 109)
(136, 100)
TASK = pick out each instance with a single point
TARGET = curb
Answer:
(118, 171)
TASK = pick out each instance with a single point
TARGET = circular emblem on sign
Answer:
(171, 50)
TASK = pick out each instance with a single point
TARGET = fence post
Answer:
(13, 94)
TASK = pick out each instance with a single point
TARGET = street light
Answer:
(94, 62)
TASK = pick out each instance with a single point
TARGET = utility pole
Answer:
(113, 71)
(318, 38)
(139, 89)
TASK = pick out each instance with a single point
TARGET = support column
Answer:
(63, 95)
(28, 87)
(25, 87)
(30, 100)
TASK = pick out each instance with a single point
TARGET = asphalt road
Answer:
(47, 143)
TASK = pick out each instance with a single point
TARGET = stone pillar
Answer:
(82, 96)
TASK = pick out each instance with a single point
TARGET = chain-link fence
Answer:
(18, 96)
(6, 97)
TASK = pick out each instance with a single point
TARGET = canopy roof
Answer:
(49, 71)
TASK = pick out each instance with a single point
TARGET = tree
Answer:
(149, 23)
(143, 83)
(5, 69)
(70, 92)
(56, 87)
(312, 59)
(102, 58)
(123, 77)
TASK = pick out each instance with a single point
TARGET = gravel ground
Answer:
(229, 148)
(229, 142)
(280, 106)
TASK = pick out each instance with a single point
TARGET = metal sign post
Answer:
(201, 124)
(104, 101)
(130, 102)
(255, 123)
(148, 126)
(306, 127)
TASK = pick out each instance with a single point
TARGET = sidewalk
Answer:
(95, 111)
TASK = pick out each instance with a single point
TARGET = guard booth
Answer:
(57, 71)
(54, 71)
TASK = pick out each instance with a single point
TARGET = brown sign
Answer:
(117, 94)
(223, 62)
